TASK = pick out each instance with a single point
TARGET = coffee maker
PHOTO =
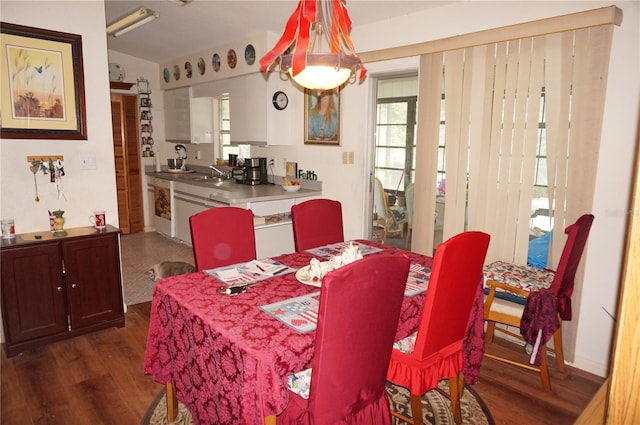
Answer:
(255, 171)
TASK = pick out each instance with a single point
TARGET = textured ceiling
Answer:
(202, 24)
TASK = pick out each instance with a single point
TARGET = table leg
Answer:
(270, 420)
(172, 403)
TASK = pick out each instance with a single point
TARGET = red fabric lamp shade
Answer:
(313, 22)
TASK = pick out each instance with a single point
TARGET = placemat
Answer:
(253, 271)
(299, 313)
(418, 280)
(331, 250)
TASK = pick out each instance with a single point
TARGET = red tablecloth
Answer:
(229, 361)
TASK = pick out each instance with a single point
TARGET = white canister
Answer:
(157, 162)
(8, 229)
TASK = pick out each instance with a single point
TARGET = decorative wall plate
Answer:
(201, 66)
(116, 72)
(232, 58)
(188, 69)
(176, 72)
(166, 75)
(215, 62)
(249, 54)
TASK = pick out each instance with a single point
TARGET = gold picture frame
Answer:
(322, 121)
(42, 84)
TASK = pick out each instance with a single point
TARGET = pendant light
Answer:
(315, 48)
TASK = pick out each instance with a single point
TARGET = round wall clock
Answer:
(280, 100)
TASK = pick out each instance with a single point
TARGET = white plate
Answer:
(302, 276)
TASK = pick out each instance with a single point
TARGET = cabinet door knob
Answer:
(74, 286)
(59, 288)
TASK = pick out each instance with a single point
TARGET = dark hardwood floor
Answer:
(97, 379)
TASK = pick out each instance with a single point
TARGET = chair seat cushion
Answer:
(519, 276)
(300, 382)
(407, 344)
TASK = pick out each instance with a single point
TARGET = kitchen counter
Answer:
(193, 192)
(232, 193)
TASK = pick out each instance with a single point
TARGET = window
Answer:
(395, 132)
(225, 128)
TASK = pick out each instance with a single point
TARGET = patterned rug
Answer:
(436, 408)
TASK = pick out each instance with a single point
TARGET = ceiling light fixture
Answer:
(315, 47)
(132, 21)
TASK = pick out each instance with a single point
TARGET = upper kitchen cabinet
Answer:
(177, 115)
(246, 109)
(254, 117)
(201, 119)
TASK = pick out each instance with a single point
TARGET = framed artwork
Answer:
(322, 117)
(42, 84)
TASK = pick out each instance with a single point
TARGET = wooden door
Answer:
(93, 280)
(124, 116)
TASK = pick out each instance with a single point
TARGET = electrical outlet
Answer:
(272, 162)
(87, 160)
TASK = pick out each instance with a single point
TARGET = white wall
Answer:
(85, 190)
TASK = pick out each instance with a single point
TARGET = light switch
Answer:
(87, 160)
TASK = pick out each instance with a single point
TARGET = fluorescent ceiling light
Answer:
(133, 20)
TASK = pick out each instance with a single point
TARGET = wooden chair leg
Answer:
(456, 386)
(408, 239)
(416, 409)
(557, 348)
(544, 370)
(488, 336)
(172, 403)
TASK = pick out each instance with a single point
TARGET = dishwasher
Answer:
(188, 200)
(162, 205)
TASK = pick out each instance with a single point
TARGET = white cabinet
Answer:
(254, 119)
(201, 119)
(177, 115)
(246, 109)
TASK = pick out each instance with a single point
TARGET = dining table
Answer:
(227, 360)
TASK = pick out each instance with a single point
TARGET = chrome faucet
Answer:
(222, 173)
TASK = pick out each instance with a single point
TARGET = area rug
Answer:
(436, 408)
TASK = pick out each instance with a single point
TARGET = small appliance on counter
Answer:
(254, 171)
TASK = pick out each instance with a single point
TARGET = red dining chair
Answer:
(222, 236)
(357, 320)
(434, 352)
(316, 222)
(544, 294)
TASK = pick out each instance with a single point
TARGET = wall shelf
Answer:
(119, 85)
(45, 158)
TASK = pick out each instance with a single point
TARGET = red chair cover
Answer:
(357, 320)
(222, 236)
(564, 280)
(456, 276)
(316, 222)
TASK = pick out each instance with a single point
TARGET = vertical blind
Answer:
(492, 94)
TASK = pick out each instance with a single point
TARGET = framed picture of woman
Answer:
(322, 117)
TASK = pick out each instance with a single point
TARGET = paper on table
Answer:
(228, 274)
(265, 268)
